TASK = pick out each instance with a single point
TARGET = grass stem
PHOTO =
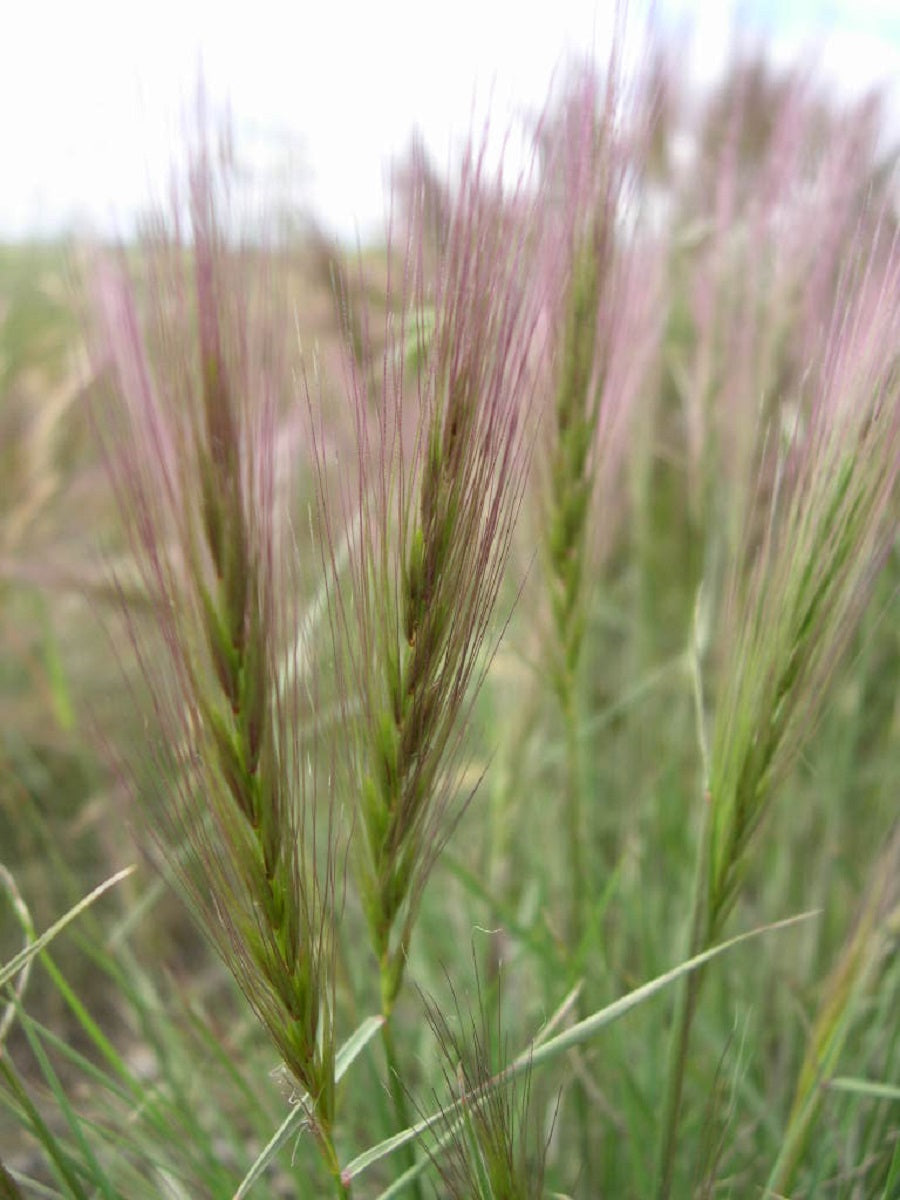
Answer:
(575, 834)
(398, 1098)
(342, 1190)
(685, 1009)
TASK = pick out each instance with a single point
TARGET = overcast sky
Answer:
(94, 93)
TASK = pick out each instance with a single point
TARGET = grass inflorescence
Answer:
(505, 617)
(233, 807)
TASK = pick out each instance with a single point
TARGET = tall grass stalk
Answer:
(790, 617)
(589, 213)
(599, 353)
(600, 349)
(441, 467)
(191, 427)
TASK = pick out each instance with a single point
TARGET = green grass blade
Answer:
(89, 1026)
(400, 1184)
(89, 1070)
(16, 964)
(57, 1157)
(586, 1029)
(38, 1191)
(97, 1174)
(866, 1087)
(575, 1036)
(9, 1189)
(355, 1045)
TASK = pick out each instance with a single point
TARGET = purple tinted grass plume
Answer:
(442, 463)
(605, 320)
(191, 430)
(584, 180)
(767, 203)
(831, 522)
(830, 518)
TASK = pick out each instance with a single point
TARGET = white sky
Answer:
(95, 94)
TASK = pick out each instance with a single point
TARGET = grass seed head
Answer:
(605, 316)
(442, 463)
(829, 523)
(191, 429)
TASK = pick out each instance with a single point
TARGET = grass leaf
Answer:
(15, 964)
(575, 1036)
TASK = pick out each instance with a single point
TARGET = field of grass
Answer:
(449, 728)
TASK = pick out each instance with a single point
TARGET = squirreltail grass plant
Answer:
(601, 317)
(442, 463)
(190, 425)
(761, 471)
(606, 315)
(790, 612)
(587, 168)
(442, 460)
(773, 188)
